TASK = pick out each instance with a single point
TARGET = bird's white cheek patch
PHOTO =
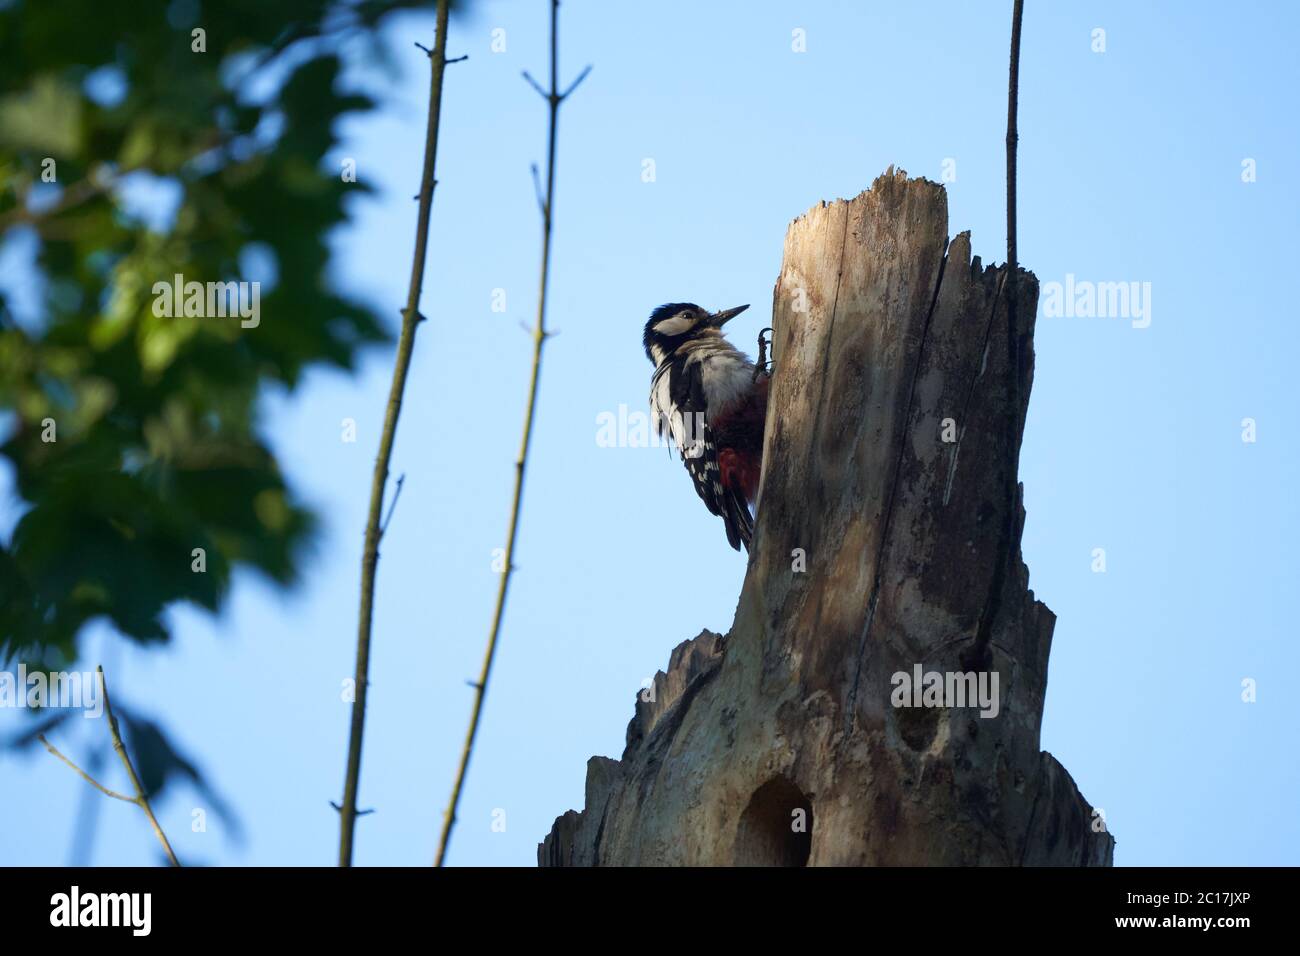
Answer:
(674, 326)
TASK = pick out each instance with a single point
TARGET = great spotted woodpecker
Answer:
(713, 400)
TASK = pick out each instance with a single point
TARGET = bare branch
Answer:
(85, 776)
(537, 189)
(537, 86)
(360, 813)
(574, 85)
(140, 799)
(98, 181)
(383, 529)
(540, 335)
(411, 319)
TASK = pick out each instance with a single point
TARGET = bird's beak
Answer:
(718, 319)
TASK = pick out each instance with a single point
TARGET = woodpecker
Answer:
(713, 401)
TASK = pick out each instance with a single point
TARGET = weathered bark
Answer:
(884, 330)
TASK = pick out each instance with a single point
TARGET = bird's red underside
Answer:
(740, 470)
(739, 431)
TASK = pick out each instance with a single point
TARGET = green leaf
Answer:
(45, 117)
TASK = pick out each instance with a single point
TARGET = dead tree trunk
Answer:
(882, 515)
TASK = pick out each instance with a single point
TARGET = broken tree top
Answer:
(892, 440)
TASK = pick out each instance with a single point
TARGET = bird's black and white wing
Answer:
(677, 402)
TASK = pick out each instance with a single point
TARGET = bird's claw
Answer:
(764, 365)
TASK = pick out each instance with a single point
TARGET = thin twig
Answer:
(120, 747)
(140, 799)
(540, 335)
(574, 85)
(1013, 137)
(397, 493)
(537, 86)
(360, 813)
(84, 776)
(1013, 264)
(537, 189)
(99, 181)
(88, 813)
(370, 557)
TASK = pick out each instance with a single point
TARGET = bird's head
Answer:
(673, 325)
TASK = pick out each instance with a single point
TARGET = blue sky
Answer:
(1130, 171)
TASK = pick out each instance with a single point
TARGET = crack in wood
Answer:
(970, 393)
(851, 704)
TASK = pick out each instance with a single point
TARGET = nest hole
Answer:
(776, 827)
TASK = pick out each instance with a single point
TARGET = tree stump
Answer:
(882, 516)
